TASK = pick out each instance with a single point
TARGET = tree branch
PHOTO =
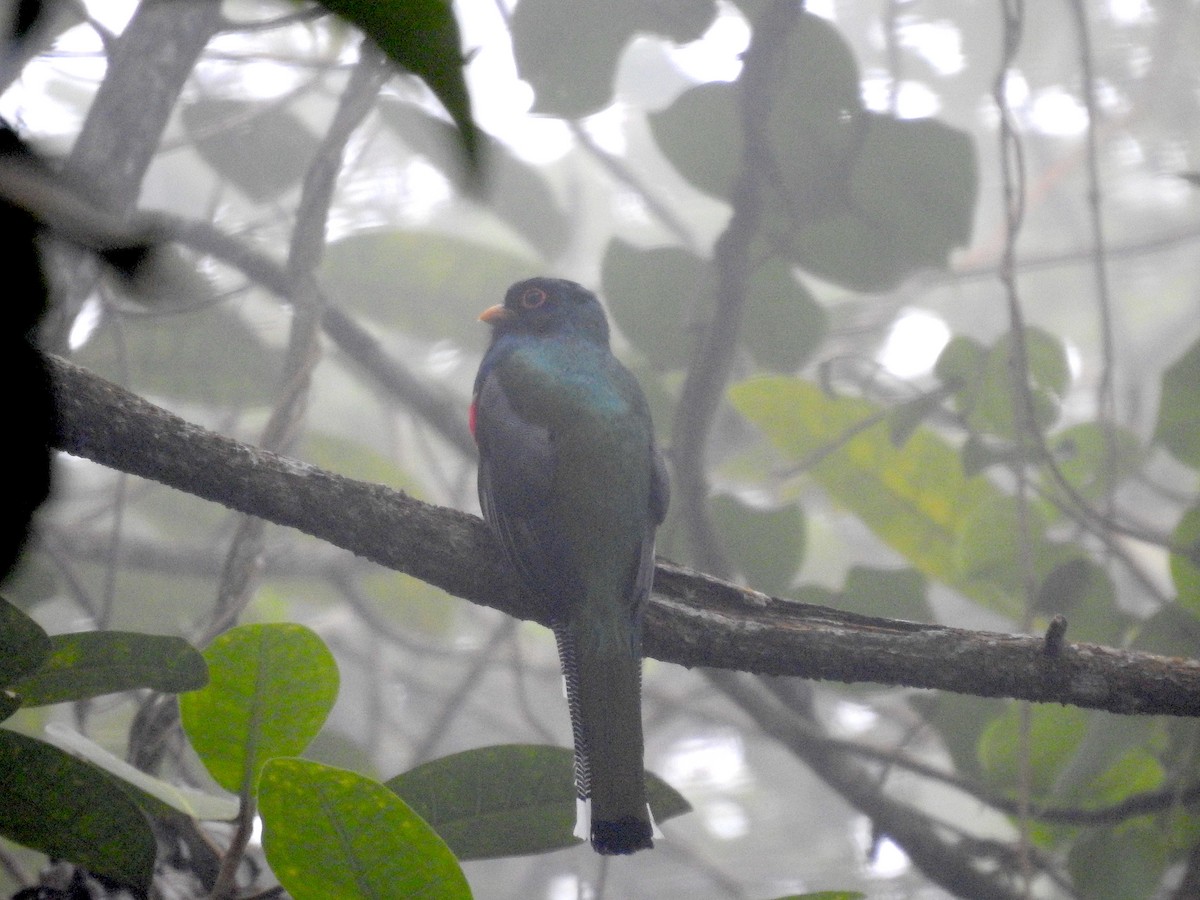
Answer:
(693, 619)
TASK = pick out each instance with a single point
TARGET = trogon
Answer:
(573, 487)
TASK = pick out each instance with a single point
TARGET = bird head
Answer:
(549, 306)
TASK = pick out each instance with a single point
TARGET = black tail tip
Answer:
(621, 837)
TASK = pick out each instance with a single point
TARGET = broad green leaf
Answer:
(1115, 760)
(1178, 426)
(651, 294)
(989, 543)
(508, 800)
(1120, 862)
(1172, 631)
(1048, 377)
(701, 134)
(66, 808)
(811, 127)
(982, 380)
(148, 792)
(1185, 561)
(814, 127)
(960, 721)
(91, 663)
(783, 325)
(858, 198)
(423, 37)
(910, 200)
(24, 646)
(568, 49)
(959, 366)
(331, 833)
(262, 148)
(915, 497)
(416, 282)
(1137, 772)
(909, 415)
(1095, 457)
(270, 689)
(1055, 735)
(1080, 589)
(767, 545)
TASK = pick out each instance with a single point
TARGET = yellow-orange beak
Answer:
(494, 314)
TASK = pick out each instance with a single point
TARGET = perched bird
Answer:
(573, 487)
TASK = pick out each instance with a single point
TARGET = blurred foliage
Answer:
(991, 474)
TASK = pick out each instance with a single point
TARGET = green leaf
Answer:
(982, 380)
(1095, 457)
(65, 808)
(1075, 586)
(1120, 862)
(815, 124)
(415, 281)
(958, 367)
(1185, 560)
(150, 793)
(811, 128)
(1048, 376)
(10, 702)
(568, 50)
(859, 198)
(915, 497)
(651, 293)
(989, 544)
(907, 416)
(766, 544)
(1115, 760)
(24, 646)
(332, 833)
(1137, 772)
(1171, 631)
(701, 135)
(262, 148)
(508, 800)
(1178, 426)
(91, 663)
(423, 37)
(910, 201)
(783, 325)
(960, 721)
(1055, 735)
(270, 689)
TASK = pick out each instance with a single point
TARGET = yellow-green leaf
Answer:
(915, 497)
(270, 689)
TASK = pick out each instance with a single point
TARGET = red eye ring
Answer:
(533, 297)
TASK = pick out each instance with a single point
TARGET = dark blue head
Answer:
(549, 306)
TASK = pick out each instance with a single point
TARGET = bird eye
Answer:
(533, 298)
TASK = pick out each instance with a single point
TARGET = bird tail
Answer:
(603, 685)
